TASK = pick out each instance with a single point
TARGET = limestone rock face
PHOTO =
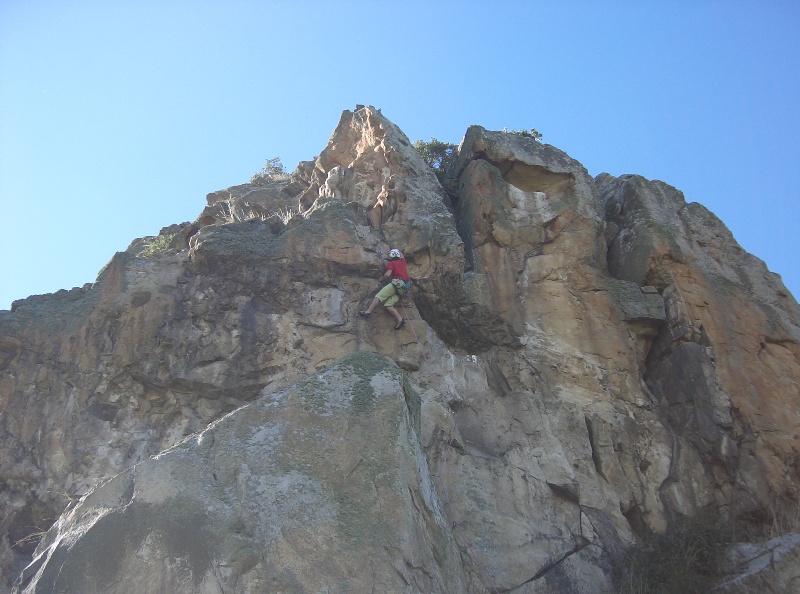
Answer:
(321, 486)
(773, 567)
(585, 360)
(725, 366)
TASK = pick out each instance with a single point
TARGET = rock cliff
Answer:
(587, 359)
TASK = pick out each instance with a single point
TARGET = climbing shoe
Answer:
(400, 324)
(364, 314)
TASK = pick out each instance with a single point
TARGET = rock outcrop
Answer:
(586, 359)
(772, 567)
(322, 485)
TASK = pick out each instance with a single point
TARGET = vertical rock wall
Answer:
(591, 358)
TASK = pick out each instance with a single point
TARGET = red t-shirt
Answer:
(398, 268)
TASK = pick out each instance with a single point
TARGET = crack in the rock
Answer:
(598, 465)
(547, 568)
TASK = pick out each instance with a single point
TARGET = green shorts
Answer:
(388, 296)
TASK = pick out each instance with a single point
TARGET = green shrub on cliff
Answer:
(273, 169)
(532, 133)
(436, 154)
(158, 244)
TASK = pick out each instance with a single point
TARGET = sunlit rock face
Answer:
(725, 367)
(585, 359)
(319, 486)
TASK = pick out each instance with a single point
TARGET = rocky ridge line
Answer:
(590, 358)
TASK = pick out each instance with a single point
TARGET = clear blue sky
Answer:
(118, 117)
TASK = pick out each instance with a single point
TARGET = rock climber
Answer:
(394, 291)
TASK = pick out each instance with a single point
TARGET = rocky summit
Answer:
(587, 362)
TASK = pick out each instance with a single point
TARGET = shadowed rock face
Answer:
(585, 359)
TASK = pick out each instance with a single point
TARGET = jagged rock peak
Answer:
(585, 361)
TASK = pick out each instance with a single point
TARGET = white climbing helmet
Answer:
(395, 254)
